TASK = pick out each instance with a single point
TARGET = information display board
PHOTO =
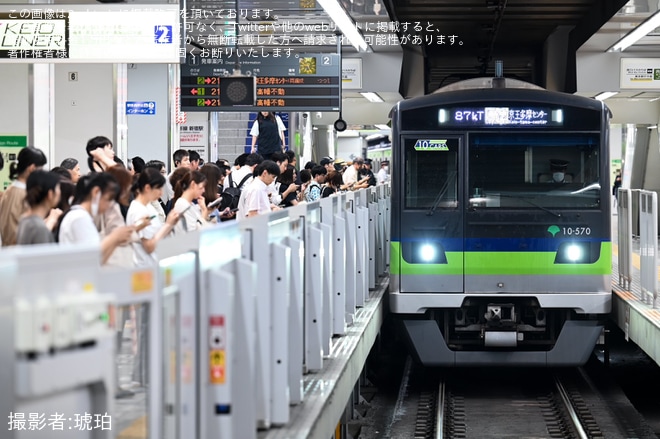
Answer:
(300, 82)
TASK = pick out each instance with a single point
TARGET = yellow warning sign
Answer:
(217, 373)
(168, 276)
(217, 357)
(142, 282)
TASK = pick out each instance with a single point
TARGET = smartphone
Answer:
(215, 202)
(234, 209)
(185, 210)
(141, 224)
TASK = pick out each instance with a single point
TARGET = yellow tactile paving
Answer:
(137, 430)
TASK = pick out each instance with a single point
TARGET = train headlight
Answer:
(573, 253)
(427, 253)
(424, 252)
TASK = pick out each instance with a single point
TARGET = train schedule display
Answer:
(299, 82)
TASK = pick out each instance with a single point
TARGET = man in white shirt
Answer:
(351, 174)
(383, 176)
(181, 159)
(254, 198)
(237, 176)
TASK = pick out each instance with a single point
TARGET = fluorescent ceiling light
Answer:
(382, 126)
(371, 96)
(606, 94)
(345, 23)
(636, 34)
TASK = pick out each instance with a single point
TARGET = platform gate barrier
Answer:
(648, 246)
(236, 314)
(624, 238)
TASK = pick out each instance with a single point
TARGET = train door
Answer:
(432, 214)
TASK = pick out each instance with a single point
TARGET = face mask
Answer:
(95, 204)
(558, 176)
(387, 168)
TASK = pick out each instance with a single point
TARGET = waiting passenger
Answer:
(194, 158)
(137, 164)
(159, 204)
(287, 187)
(181, 159)
(328, 163)
(100, 154)
(95, 193)
(274, 194)
(305, 179)
(383, 175)
(366, 173)
(254, 198)
(12, 203)
(236, 176)
(212, 191)
(42, 195)
(333, 184)
(188, 188)
(144, 216)
(113, 218)
(313, 191)
(67, 192)
(73, 167)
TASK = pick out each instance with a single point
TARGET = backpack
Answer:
(232, 194)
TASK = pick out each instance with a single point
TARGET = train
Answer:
(500, 251)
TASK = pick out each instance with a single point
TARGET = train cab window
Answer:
(534, 170)
(431, 172)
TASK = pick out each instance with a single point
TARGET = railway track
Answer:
(505, 403)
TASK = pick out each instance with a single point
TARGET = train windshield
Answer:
(533, 170)
(432, 173)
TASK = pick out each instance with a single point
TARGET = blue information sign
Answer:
(141, 107)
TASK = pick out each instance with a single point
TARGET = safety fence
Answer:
(643, 205)
(219, 334)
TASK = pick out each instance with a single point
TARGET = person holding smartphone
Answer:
(143, 215)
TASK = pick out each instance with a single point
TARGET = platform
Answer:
(633, 307)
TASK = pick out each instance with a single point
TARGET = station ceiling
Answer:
(514, 31)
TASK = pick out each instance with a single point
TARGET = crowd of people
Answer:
(127, 208)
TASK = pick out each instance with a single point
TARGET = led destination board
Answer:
(501, 116)
(287, 83)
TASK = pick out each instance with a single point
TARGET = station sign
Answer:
(640, 73)
(141, 107)
(294, 82)
(51, 33)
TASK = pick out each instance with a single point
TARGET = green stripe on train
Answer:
(512, 263)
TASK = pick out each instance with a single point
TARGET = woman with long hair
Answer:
(12, 203)
(333, 183)
(212, 193)
(42, 195)
(95, 193)
(113, 218)
(288, 188)
(142, 214)
(188, 188)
